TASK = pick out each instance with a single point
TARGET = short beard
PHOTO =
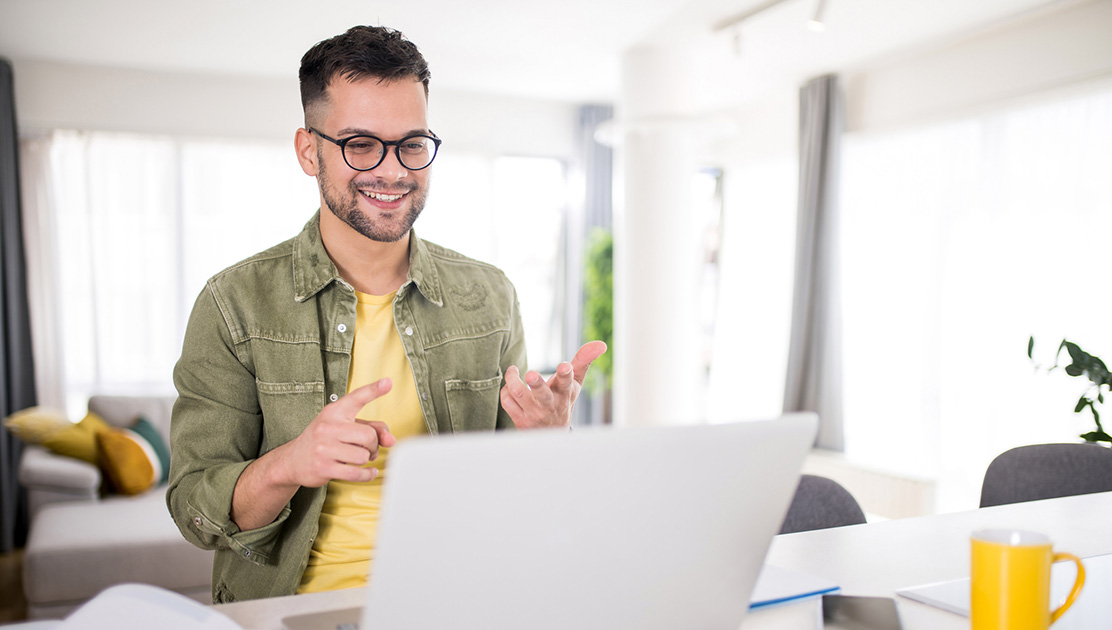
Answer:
(347, 209)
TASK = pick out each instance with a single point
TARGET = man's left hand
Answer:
(535, 403)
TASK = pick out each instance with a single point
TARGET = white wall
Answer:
(1054, 48)
(55, 95)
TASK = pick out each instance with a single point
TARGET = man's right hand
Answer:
(335, 445)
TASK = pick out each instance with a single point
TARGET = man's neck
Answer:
(369, 266)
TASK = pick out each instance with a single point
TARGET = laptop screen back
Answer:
(649, 528)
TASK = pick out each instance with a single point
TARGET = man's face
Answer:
(383, 203)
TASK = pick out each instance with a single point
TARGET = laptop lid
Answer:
(648, 528)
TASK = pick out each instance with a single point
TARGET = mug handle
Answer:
(1077, 584)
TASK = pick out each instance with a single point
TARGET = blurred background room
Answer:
(860, 207)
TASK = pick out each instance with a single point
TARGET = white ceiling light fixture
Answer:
(734, 22)
(816, 23)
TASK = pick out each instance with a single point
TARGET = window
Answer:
(140, 223)
(753, 312)
(510, 212)
(961, 240)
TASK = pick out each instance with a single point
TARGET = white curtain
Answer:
(961, 240)
(36, 187)
(122, 231)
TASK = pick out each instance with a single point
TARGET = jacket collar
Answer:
(313, 270)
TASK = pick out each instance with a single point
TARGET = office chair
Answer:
(1046, 471)
(820, 503)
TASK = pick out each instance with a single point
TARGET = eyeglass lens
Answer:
(367, 152)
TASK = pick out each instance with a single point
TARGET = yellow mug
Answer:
(1010, 580)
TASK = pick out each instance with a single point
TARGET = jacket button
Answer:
(247, 553)
(333, 398)
(409, 331)
(342, 328)
(197, 521)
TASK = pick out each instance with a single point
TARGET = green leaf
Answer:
(1031, 347)
(1096, 436)
(1074, 370)
(1081, 404)
(1076, 353)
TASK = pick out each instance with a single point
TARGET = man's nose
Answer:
(391, 169)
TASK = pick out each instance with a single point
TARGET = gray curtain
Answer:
(17, 375)
(594, 165)
(814, 379)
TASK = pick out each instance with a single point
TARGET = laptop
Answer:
(601, 528)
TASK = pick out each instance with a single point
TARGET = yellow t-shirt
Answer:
(344, 547)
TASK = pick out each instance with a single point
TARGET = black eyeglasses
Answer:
(365, 153)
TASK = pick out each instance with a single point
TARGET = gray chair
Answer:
(1046, 471)
(820, 503)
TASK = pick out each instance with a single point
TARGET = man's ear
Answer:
(306, 151)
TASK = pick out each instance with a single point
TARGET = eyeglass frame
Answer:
(342, 143)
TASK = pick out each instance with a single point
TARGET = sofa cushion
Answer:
(77, 549)
(49, 428)
(79, 440)
(35, 424)
(135, 459)
(122, 411)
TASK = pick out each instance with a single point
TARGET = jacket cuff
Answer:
(211, 518)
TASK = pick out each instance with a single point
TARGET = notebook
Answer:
(602, 528)
(1092, 609)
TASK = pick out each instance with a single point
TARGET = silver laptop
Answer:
(648, 528)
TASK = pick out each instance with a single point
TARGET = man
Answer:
(302, 365)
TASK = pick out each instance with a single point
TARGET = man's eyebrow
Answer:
(356, 131)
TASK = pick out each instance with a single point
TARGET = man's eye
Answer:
(413, 147)
(361, 146)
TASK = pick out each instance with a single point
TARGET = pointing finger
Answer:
(351, 403)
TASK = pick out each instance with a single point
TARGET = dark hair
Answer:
(363, 51)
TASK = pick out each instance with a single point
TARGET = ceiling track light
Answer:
(816, 23)
(734, 22)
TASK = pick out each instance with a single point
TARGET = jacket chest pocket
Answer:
(473, 405)
(287, 409)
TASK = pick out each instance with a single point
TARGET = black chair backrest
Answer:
(1046, 471)
(820, 503)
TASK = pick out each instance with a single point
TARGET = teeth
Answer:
(382, 197)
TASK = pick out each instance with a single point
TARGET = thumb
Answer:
(586, 355)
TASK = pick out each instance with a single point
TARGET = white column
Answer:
(657, 373)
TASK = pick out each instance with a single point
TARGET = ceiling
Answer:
(569, 50)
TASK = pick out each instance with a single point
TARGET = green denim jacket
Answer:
(269, 344)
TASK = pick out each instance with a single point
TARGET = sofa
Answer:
(83, 539)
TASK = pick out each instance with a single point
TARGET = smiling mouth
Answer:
(378, 196)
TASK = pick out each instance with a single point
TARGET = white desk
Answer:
(874, 559)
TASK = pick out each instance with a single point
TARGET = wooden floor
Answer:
(13, 607)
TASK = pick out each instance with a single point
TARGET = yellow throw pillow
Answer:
(35, 424)
(134, 460)
(79, 440)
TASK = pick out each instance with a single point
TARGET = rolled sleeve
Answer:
(215, 433)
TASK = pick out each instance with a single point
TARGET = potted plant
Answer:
(598, 312)
(1091, 367)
